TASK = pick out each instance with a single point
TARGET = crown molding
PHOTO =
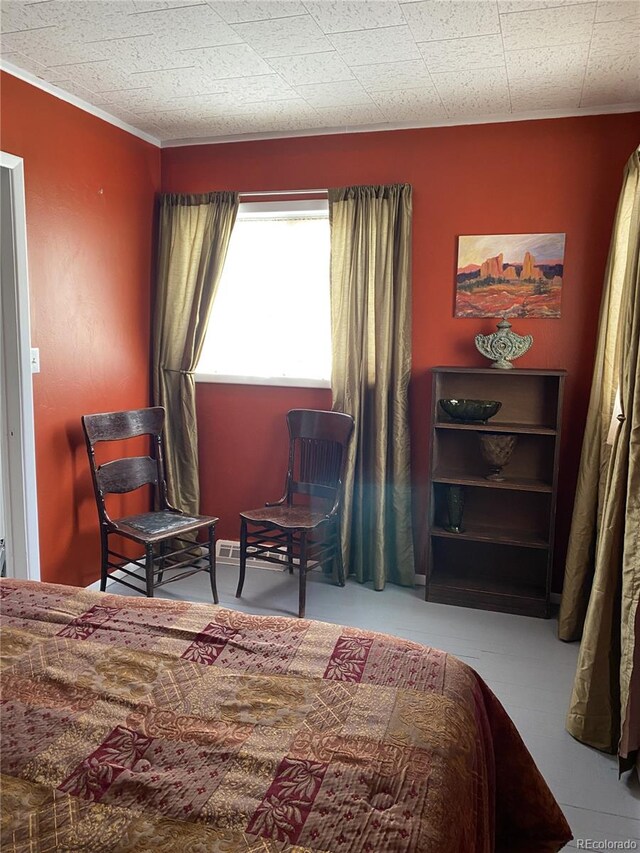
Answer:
(50, 89)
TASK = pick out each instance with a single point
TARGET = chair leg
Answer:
(302, 598)
(290, 551)
(243, 556)
(163, 551)
(338, 557)
(212, 562)
(149, 569)
(104, 562)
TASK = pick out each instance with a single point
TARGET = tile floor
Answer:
(520, 658)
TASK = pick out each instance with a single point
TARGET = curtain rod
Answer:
(255, 193)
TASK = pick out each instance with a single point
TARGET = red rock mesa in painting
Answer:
(513, 275)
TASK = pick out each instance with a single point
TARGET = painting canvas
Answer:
(512, 275)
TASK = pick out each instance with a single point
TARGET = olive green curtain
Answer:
(371, 339)
(194, 237)
(602, 581)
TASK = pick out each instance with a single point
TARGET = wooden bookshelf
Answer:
(502, 558)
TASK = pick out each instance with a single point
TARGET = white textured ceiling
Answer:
(185, 69)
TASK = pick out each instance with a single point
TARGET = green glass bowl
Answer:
(470, 411)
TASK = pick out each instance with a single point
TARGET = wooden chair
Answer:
(303, 531)
(161, 533)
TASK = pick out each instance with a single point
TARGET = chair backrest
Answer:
(131, 472)
(317, 452)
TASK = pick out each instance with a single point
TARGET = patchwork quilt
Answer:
(132, 725)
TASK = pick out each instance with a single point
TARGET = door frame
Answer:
(16, 409)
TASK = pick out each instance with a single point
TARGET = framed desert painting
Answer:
(512, 275)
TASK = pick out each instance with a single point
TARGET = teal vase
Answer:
(455, 508)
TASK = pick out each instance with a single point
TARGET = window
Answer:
(270, 322)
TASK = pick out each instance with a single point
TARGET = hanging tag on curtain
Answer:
(616, 419)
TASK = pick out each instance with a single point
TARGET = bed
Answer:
(133, 724)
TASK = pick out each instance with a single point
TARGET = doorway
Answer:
(18, 498)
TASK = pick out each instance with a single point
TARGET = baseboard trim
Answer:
(420, 580)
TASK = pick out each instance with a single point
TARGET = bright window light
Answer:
(270, 322)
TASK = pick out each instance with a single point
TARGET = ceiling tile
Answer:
(482, 92)
(142, 100)
(259, 123)
(151, 127)
(87, 95)
(548, 27)
(49, 46)
(21, 60)
(95, 76)
(339, 16)
(297, 112)
(90, 26)
(17, 15)
(506, 6)
(384, 76)
(57, 11)
(296, 108)
(351, 116)
(147, 106)
(431, 20)
(231, 96)
(334, 94)
(616, 37)
(311, 68)
(123, 114)
(284, 36)
(382, 45)
(217, 104)
(224, 105)
(612, 80)
(189, 27)
(140, 53)
(241, 11)
(462, 54)
(410, 104)
(541, 94)
(176, 82)
(262, 87)
(616, 10)
(174, 119)
(542, 64)
(234, 60)
(154, 5)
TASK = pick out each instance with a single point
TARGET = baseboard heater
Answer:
(228, 554)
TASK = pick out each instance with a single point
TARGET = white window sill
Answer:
(278, 381)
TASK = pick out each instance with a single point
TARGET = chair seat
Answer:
(287, 517)
(151, 526)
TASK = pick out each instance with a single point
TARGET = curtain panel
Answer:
(194, 237)
(602, 581)
(371, 339)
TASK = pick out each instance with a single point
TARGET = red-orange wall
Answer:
(555, 175)
(90, 198)
(90, 189)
